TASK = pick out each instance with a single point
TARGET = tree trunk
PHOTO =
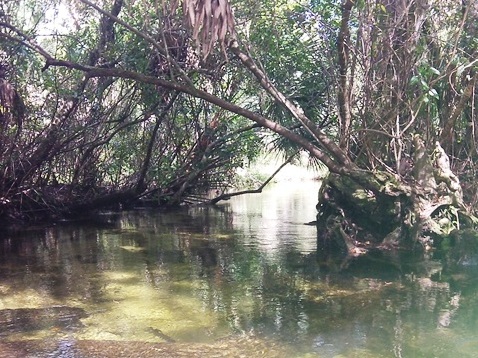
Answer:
(345, 85)
(380, 210)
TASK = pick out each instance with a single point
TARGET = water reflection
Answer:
(245, 274)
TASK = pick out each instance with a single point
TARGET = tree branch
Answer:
(447, 132)
(296, 111)
(227, 196)
(336, 167)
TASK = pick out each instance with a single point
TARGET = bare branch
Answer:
(227, 196)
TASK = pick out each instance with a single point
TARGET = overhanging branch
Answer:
(187, 88)
(227, 196)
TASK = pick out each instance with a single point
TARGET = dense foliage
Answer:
(113, 101)
(72, 142)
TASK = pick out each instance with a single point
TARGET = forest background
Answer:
(111, 103)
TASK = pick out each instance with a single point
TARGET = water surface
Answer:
(240, 279)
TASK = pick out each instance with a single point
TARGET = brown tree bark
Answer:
(345, 81)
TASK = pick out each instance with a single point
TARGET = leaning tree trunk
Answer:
(382, 210)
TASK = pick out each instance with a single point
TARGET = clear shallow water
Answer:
(242, 279)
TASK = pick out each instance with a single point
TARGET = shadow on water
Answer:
(244, 278)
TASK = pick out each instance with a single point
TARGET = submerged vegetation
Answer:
(122, 103)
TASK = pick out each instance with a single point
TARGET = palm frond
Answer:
(211, 21)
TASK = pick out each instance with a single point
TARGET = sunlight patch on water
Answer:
(131, 309)
(273, 223)
(11, 298)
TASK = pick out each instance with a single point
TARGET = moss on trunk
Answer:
(381, 210)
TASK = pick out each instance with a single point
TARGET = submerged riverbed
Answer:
(241, 279)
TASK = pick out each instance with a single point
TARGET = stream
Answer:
(242, 279)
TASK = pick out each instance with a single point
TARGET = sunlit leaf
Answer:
(425, 86)
(433, 93)
(434, 71)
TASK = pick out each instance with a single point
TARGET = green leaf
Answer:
(425, 86)
(433, 93)
(415, 80)
(434, 71)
